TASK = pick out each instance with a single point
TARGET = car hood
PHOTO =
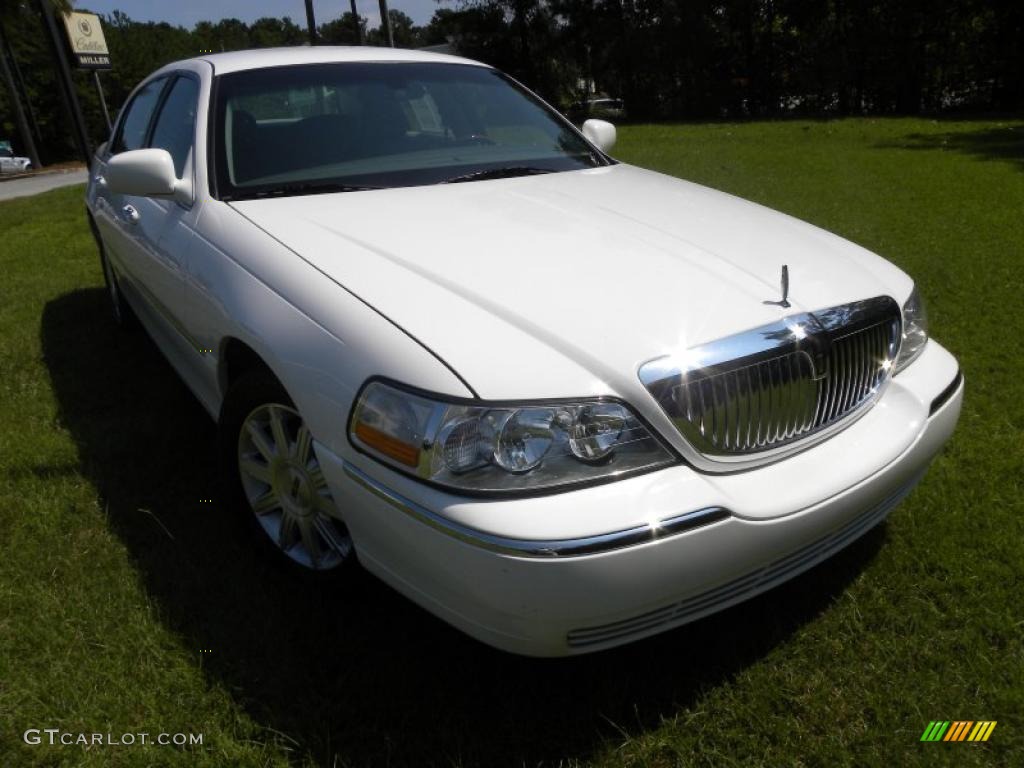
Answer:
(562, 285)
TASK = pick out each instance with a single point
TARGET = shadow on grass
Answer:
(1000, 143)
(349, 672)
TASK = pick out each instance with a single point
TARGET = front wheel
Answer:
(273, 475)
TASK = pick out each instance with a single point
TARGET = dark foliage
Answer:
(664, 58)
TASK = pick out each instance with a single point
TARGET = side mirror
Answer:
(601, 133)
(147, 173)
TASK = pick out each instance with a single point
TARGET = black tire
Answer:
(123, 315)
(253, 392)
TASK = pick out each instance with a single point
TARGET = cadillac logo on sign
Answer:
(85, 36)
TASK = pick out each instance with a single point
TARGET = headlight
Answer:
(915, 331)
(502, 448)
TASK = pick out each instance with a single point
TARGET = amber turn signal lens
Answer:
(403, 453)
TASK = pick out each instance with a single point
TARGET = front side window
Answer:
(132, 134)
(175, 125)
(300, 129)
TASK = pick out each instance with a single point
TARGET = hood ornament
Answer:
(785, 290)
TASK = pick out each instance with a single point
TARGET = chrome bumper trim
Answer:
(946, 394)
(746, 585)
(588, 545)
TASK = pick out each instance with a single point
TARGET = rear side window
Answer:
(132, 134)
(175, 125)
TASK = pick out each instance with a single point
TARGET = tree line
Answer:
(666, 59)
(701, 59)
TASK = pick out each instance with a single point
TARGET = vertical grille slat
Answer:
(796, 401)
(874, 359)
(732, 418)
(864, 375)
(845, 352)
(844, 378)
(829, 386)
(751, 418)
(863, 344)
(835, 380)
(762, 404)
(849, 366)
(742, 413)
(811, 388)
(771, 404)
(703, 409)
(793, 392)
(869, 356)
(718, 385)
(777, 393)
(762, 401)
(821, 396)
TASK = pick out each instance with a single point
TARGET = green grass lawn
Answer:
(127, 604)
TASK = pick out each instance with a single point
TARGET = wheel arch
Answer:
(236, 358)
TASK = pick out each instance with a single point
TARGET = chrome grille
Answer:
(775, 385)
(857, 365)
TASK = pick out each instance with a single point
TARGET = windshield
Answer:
(333, 127)
(357, 125)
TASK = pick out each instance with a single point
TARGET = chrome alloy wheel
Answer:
(286, 490)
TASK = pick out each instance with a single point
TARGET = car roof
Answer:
(236, 61)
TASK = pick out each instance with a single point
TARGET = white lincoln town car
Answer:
(560, 401)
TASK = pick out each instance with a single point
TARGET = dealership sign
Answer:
(85, 34)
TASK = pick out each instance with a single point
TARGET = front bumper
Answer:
(452, 555)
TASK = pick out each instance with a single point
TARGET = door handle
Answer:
(130, 214)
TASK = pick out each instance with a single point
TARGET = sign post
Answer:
(89, 46)
(67, 86)
(359, 26)
(385, 23)
(103, 100)
(310, 22)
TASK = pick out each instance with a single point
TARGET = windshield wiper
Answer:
(303, 188)
(506, 172)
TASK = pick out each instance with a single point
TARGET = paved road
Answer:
(33, 185)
